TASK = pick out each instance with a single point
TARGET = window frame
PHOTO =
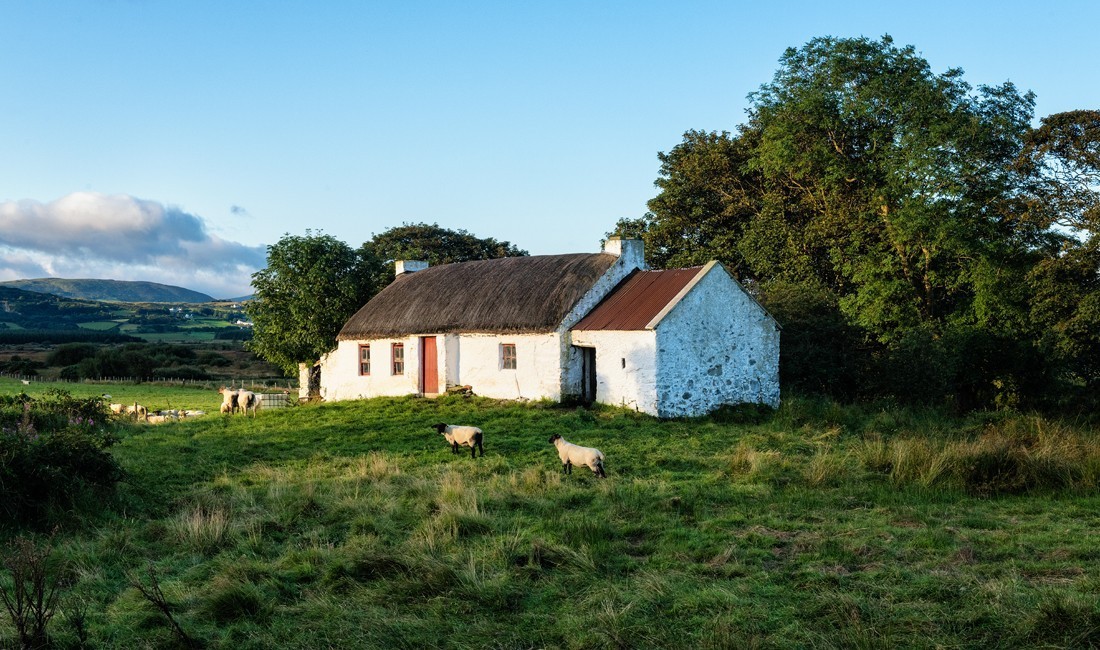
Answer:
(364, 347)
(505, 358)
(397, 361)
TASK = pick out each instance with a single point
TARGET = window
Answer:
(398, 357)
(508, 356)
(364, 359)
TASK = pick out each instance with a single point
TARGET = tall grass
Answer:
(1014, 456)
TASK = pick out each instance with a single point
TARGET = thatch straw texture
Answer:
(511, 294)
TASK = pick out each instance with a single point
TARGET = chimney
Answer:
(630, 251)
(401, 267)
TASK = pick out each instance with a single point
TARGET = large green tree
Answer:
(1062, 155)
(312, 284)
(865, 186)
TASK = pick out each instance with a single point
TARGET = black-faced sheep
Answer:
(571, 455)
(458, 435)
(248, 400)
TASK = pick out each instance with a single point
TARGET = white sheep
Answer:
(138, 411)
(457, 434)
(229, 400)
(571, 455)
(116, 408)
(248, 400)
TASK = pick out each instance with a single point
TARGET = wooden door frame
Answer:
(588, 374)
(423, 378)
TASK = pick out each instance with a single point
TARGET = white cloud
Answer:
(120, 237)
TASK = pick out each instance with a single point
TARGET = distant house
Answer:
(596, 327)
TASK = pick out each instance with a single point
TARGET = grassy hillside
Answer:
(110, 290)
(353, 525)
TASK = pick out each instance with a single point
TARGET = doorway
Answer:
(588, 375)
(429, 366)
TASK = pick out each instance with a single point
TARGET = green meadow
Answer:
(353, 525)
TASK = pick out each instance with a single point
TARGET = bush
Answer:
(71, 354)
(53, 453)
(181, 372)
(19, 366)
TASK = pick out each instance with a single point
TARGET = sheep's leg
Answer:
(454, 447)
(476, 441)
(600, 471)
(568, 467)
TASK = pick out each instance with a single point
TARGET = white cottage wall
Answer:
(626, 369)
(537, 372)
(716, 346)
(631, 256)
(340, 378)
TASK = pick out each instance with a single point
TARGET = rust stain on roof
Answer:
(637, 300)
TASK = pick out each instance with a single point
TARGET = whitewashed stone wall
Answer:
(631, 256)
(716, 346)
(537, 373)
(626, 367)
(466, 359)
(340, 378)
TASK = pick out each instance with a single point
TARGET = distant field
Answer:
(151, 395)
(174, 337)
(101, 326)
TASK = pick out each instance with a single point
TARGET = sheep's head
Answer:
(554, 438)
(439, 427)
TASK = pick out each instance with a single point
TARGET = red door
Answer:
(429, 366)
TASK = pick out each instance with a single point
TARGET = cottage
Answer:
(599, 327)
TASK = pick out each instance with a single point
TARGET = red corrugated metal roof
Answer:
(637, 300)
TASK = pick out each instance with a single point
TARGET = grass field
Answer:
(100, 326)
(353, 525)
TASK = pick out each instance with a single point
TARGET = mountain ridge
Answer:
(110, 290)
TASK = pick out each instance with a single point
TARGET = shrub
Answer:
(71, 354)
(180, 372)
(53, 453)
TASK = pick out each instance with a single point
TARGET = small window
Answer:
(398, 359)
(364, 359)
(508, 356)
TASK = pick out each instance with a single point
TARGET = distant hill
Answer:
(110, 290)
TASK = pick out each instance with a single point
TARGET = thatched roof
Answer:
(506, 295)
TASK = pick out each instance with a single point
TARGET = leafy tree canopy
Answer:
(920, 205)
(436, 245)
(312, 284)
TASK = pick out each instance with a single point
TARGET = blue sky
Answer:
(171, 141)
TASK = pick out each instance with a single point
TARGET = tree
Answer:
(312, 284)
(1063, 156)
(436, 245)
(902, 178)
(866, 186)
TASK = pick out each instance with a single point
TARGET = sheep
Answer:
(137, 410)
(571, 455)
(461, 435)
(190, 413)
(116, 409)
(229, 400)
(248, 400)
